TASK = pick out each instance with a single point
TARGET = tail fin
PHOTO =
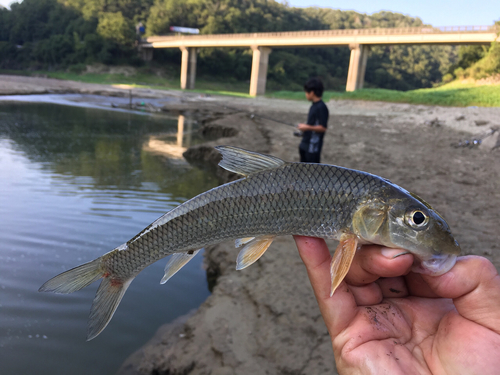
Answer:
(74, 279)
(107, 298)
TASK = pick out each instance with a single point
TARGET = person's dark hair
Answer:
(315, 85)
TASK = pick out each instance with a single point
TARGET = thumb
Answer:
(474, 285)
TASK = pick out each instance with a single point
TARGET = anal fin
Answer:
(342, 259)
(253, 250)
(243, 241)
(175, 263)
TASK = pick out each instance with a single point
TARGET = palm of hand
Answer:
(381, 322)
(412, 335)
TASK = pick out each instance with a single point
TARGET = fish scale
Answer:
(274, 198)
(256, 205)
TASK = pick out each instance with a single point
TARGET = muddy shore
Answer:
(264, 319)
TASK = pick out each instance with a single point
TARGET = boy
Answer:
(317, 121)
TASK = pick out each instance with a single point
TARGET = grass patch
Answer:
(453, 94)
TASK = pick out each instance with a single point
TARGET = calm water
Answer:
(75, 183)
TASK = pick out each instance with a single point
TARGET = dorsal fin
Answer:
(244, 162)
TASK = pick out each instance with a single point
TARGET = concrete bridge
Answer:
(358, 40)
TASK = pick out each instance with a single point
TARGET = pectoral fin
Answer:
(342, 259)
(253, 250)
(175, 263)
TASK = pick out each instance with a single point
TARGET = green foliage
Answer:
(453, 94)
(114, 27)
(130, 9)
(55, 34)
(477, 62)
(59, 33)
(447, 78)
(468, 55)
(398, 67)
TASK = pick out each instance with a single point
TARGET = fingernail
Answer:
(392, 253)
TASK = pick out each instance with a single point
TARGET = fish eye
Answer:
(416, 219)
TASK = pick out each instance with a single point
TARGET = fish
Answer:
(273, 198)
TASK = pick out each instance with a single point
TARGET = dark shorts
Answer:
(307, 157)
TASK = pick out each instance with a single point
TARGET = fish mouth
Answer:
(436, 265)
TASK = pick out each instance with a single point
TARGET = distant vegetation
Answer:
(453, 94)
(68, 35)
(476, 62)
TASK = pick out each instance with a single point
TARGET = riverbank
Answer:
(459, 93)
(264, 319)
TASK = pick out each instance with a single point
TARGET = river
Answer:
(76, 182)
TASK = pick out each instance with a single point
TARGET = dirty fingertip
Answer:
(385, 262)
(392, 253)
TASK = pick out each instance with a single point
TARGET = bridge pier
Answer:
(260, 60)
(188, 67)
(357, 66)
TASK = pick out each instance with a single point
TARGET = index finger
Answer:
(372, 262)
(339, 309)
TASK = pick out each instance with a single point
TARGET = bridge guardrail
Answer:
(343, 32)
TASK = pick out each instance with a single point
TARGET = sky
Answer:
(434, 12)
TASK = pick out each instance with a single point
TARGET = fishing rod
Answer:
(252, 115)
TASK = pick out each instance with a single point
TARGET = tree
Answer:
(114, 27)
(86, 31)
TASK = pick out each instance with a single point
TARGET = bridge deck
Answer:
(410, 35)
(358, 40)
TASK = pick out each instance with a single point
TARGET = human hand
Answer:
(303, 127)
(385, 319)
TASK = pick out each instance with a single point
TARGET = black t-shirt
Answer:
(318, 115)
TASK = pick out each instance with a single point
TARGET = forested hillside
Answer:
(69, 34)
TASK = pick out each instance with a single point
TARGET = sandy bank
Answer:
(264, 319)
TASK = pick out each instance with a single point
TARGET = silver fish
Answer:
(274, 198)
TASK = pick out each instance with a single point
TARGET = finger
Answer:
(316, 257)
(339, 309)
(419, 287)
(393, 287)
(373, 261)
(474, 285)
(367, 295)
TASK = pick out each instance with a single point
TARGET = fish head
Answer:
(408, 222)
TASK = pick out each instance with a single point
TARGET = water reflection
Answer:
(172, 145)
(75, 183)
